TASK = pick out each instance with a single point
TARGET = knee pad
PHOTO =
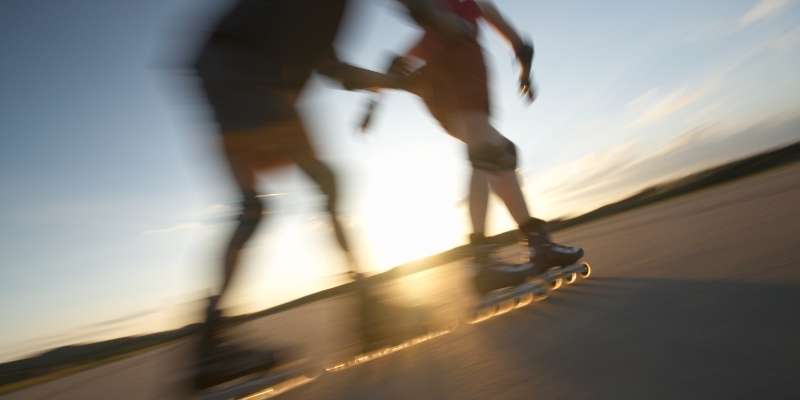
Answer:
(494, 157)
(251, 211)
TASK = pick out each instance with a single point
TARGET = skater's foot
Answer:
(225, 362)
(220, 361)
(481, 250)
(210, 331)
(492, 274)
(357, 277)
(545, 253)
(499, 276)
(554, 255)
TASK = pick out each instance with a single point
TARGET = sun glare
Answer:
(413, 231)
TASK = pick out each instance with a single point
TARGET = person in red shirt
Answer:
(453, 84)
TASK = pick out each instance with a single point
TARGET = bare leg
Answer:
(490, 150)
(506, 185)
(478, 200)
(325, 179)
(243, 171)
(474, 129)
(248, 222)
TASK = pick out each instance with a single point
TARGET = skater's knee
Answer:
(331, 200)
(326, 180)
(252, 211)
(327, 183)
(496, 156)
(320, 174)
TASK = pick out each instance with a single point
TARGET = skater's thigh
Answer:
(474, 129)
(261, 150)
(238, 160)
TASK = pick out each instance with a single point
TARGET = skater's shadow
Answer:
(621, 338)
(392, 341)
(384, 324)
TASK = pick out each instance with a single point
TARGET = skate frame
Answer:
(502, 301)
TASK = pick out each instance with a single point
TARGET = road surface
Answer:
(695, 297)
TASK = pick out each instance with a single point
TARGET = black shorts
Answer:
(259, 51)
(244, 89)
(245, 105)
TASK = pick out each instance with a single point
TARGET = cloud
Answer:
(216, 209)
(761, 10)
(652, 106)
(191, 226)
(692, 137)
(616, 172)
(211, 212)
(586, 172)
(787, 40)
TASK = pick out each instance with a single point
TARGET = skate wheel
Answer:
(541, 297)
(505, 307)
(481, 315)
(556, 283)
(524, 300)
(586, 271)
(570, 278)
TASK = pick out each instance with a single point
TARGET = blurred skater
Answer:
(252, 68)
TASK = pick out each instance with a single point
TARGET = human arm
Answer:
(522, 49)
(355, 78)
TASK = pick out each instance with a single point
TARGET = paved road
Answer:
(691, 298)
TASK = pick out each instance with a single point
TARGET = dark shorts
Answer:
(270, 148)
(456, 81)
(245, 90)
(253, 104)
(242, 105)
(260, 48)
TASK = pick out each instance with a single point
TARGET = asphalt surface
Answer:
(695, 297)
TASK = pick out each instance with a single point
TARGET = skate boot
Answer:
(221, 362)
(544, 253)
(482, 250)
(492, 274)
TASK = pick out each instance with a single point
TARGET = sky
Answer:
(116, 204)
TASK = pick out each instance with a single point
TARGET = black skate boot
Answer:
(546, 254)
(221, 362)
(481, 250)
(492, 274)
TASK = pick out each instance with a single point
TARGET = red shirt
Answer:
(433, 43)
(466, 9)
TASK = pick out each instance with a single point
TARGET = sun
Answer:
(396, 229)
